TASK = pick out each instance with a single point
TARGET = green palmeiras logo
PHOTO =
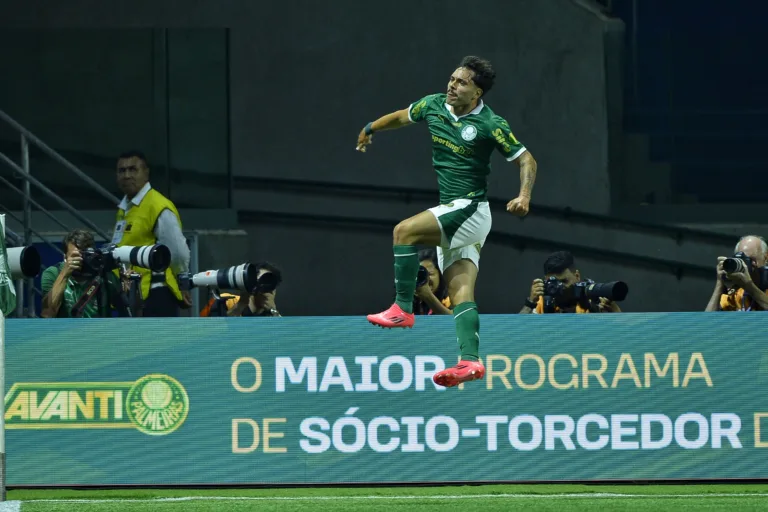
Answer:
(155, 404)
(469, 132)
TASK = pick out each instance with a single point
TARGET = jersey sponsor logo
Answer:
(417, 108)
(502, 140)
(461, 150)
(469, 132)
(505, 125)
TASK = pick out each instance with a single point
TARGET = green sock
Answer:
(468, 330)
(406, 271)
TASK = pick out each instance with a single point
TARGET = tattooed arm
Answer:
(520, 205)
(527, 173)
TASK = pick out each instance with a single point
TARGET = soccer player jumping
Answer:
(465, 131)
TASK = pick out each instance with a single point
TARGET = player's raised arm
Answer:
(528, 167)
(515, 151)
(388, 122)
(521, 204)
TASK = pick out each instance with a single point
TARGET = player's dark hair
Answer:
(134, 154)
(484, 73)
(558, 262)
(80, 238)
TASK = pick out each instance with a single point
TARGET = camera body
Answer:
(738, 263)
(558, 294)
(741, 263)
(553, 287)
(95, 262)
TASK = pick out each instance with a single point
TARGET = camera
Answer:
(741, 263)
(265, 283)
(422, 277)
(556, 293)
(24, 262)
(244, 278)
(738, 263)
(553, 287)
(97, 261)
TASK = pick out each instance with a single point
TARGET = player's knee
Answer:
(463, 294)
(402, 234)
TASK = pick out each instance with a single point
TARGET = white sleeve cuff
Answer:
(516, 155)
(409, 113)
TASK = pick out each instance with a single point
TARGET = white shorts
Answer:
(464, 226)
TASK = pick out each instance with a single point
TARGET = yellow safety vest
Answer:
(139, 230)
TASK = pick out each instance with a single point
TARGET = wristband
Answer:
(368, 128)
(530, 304)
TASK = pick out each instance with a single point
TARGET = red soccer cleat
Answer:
(462, 372)
(393, 317)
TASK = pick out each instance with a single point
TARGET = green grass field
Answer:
(561, 498)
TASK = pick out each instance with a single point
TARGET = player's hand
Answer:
(72, 263)
(519, 206)
(537, 290)
(186, 299)
(363, 140)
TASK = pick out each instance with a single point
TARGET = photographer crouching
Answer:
(742, 280)
(563, 291)
(260, 301)
(72, 289)
(431, 296)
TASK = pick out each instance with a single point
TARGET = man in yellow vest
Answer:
(146, 217)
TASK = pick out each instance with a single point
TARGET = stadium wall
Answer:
(299, 90)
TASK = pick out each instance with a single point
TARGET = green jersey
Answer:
(462, 146)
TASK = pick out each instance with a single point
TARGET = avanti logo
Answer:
(155, 404)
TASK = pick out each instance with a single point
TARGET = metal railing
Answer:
(25, 288)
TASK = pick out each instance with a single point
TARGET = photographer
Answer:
(561, 277)
(260, 302)
(741, 280)
(431, 297)
(72, 291)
